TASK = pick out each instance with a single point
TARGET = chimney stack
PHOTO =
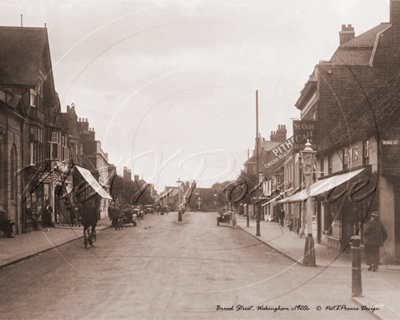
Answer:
(346, 34)
(281, 133)
(395, 13)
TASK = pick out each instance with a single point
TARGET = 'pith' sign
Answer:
(279, 152)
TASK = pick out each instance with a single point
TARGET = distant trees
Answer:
(130, 192)
(248, 181)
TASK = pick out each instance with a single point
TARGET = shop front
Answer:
(341, 204)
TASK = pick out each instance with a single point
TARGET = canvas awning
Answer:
(270, 201)
(93, 183)
(322, 186)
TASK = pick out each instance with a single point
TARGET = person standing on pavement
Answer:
(72, 215)
(282, 217)
(374, 237)
(114, 214)
(46, 215)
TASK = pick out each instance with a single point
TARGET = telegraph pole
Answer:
(257, 182)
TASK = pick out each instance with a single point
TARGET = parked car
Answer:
(224, 216)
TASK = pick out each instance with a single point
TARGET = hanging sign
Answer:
(302, 131)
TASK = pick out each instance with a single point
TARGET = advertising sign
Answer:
(279, 152)
(303, 131)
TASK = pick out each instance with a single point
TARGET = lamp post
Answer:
(307, 158)
(179, 182)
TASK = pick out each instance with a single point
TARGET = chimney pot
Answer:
(346, 34)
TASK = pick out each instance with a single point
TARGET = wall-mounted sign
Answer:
(390, 142)
(303, 131)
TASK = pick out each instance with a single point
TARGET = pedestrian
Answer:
(72, 215)
(282, 217)
(114, 214)
(374, 237)
(89, 220)
(46, 215)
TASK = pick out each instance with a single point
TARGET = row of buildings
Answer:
(45, 154)
(350, 112)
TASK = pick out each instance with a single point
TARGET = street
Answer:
(163, 269)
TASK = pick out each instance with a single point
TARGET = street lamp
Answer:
(179, 183)
(307, 159)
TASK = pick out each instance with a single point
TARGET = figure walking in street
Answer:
(89, 220)
(114, 214)
(282, 217)
(374, 237)
(47, 210)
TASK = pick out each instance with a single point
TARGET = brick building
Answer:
(354, 99)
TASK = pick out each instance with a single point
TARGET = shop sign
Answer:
(390, 142)
(279, 152)
(303, 131)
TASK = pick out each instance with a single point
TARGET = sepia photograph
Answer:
(198, 159)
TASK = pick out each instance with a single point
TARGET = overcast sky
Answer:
(173, 82)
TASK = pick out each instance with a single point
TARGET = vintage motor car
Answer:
(139, 213)
(224, 216)
(129, 216)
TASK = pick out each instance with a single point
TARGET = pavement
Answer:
(380, 289)
(26, 245)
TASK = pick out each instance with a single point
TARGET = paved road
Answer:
(163, 269)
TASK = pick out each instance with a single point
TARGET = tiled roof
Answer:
(269, 145)
(367, 38)
(21, 54)
(360, 56)
(358, 50)
(366, 119)
(250, 160)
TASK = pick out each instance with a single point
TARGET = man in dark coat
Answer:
(89, 220)
(46, 215)
(282, 217)
(374, 237)
(114, 214)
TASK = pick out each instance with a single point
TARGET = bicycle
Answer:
(89, 236)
